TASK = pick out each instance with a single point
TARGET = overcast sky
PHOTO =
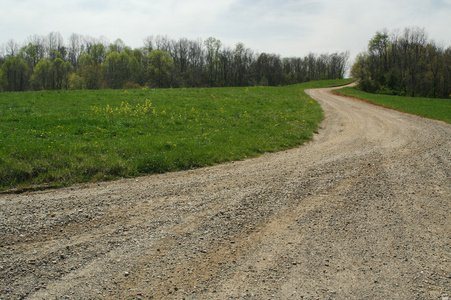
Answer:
(285, 27)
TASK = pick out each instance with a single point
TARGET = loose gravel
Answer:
(362, 212)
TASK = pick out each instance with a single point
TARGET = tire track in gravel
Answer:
(360, 212)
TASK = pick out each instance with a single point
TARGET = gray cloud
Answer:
(286, 27)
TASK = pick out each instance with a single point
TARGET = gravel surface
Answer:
(362, 212)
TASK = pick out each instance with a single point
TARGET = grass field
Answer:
(438, 109)
(56, 138)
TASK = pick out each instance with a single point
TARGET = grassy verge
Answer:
(438, 109)
(56, 138)
(326, 83)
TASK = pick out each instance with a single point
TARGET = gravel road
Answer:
(362, 212)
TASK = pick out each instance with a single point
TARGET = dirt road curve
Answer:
(363, 212)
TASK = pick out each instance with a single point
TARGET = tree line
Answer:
(83, 62)
(404, 63)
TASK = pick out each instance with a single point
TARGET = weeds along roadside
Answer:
(57, 138)
(432, 108)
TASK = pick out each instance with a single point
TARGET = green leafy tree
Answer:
(213, 58)
(160, 67)
(42, 76)
(117, 46)
(75, 82)
(124, 66)
(58, 73)
(138, 63)
(269, 70)
(90, 72)
(98, 53)
(30, 54)
(378, 52)
(111, 70)
(240, 65)
(116, 69)
(2, 81)
(15, 75)
(61, 74)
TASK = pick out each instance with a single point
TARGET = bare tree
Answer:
(148, 45)
(40, 43)
(75, 48)
(163, 43)
(12, 48)
(55, 46)
(89, 42)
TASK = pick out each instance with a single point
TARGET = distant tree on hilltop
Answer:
(404, 64)
(88, 63)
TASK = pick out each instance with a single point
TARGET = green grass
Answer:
(438, 109)
(56, 138)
